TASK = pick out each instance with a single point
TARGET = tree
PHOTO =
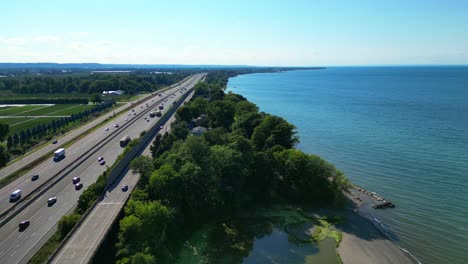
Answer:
(9, 142)
(67, 223)
(184, 114)
(15, 140)
(4, 156)
(22, 137)
(95, 98)
(221, 113)
(179, 130)
(304, 178)
(274, 130)
(144, 166)
(4, 130)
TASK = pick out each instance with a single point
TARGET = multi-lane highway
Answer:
(84, 243)
(81, 161)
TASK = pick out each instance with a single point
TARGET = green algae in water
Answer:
(269, 236)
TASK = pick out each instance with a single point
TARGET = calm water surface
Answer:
(399, 131)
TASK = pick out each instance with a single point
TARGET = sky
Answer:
(240, 32)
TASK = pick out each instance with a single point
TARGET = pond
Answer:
(266, 236)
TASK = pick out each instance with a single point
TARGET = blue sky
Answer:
(255, 32)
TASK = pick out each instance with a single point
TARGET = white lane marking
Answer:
(33, 234)
(13, 253)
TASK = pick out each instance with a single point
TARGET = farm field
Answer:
(28, 116)
(11, 110)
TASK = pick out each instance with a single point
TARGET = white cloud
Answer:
(47, 39)
(13, 41)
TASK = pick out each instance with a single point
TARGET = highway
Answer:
(19, 247)
(29, 157)
(85, 241)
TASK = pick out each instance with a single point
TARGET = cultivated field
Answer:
(28, 116)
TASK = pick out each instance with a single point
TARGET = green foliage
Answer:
(221, 113)
(216, 136)
(184, 114)
(67, 223)
(179, 130)
(144, 226)
(274, 130)
(303, 178)
(144, 166)
(4, 155)
(89, 196)
(95, 98)
(4, 130)
(138, 258)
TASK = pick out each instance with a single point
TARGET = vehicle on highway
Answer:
(161, 107)
(124, 141)
(76, 180)
(23, 225)
(144, 118)
(133, 110)
(51, 201)
(124, 187)
(14, 196)
(107, 129)
(59, 154)
(160, 94)
(34, 177)
(54, 142)
(78, 186)
(102, 162)
(134, 113)
(116, 125)
(158, 113)
(100, 158)
(126, 119)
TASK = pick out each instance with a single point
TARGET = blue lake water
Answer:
(399, 131)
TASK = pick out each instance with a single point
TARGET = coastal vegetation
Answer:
(246, 159)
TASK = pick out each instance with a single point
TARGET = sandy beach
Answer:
(362, 242)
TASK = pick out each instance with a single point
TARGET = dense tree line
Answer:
(87, 83)
(245, 158)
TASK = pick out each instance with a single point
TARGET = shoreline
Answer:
(363, 241)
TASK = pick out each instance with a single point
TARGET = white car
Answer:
(107, 129)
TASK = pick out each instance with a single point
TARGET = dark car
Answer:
(54, 142)
(34, 177)
(51, 201)
(76, 180)
(124, 188)
(102, 162)
(78, 186)
(23, 225)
